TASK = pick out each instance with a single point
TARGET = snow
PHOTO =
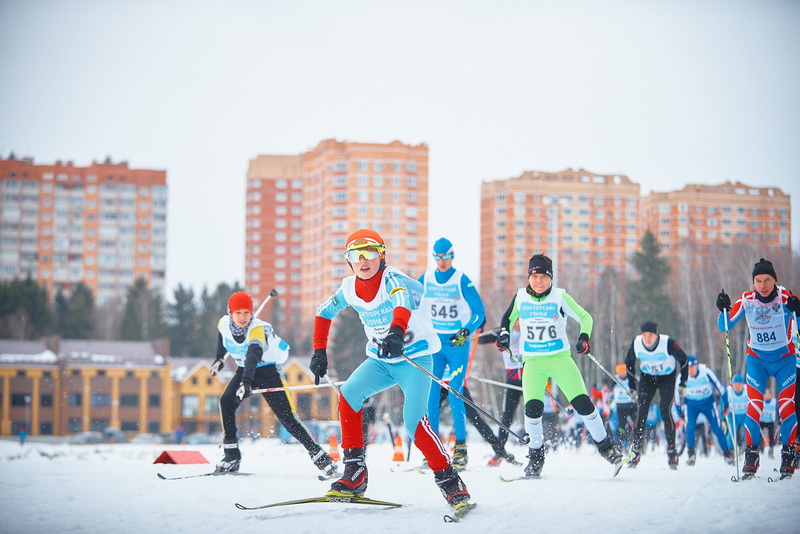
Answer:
(58, 487)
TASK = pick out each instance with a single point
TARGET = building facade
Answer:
(61, 387)
(104, 225)
(697, 222)
(302, 208)
(587, 223)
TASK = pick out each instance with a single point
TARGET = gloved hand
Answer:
(793, 304)
(682, 391)
(723, 301)
(582, 346)
(217, 366)
(244, 391)
(503, 340)
(319, 364)
(460, 337)
(392, 344)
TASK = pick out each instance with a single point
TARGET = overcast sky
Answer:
(667, 93)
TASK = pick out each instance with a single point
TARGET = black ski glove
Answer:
(459, 338)
(217, 366)
(582, 346)
(723, 301)
(244, 391)
(392, 344)
(503, 340)
(319, 364)
(793, 304)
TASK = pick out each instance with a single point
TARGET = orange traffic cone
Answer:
(451, 446)
(398, 450)
(333, 445)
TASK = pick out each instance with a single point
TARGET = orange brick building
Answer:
(700, 220)
(301, 209)
(586, 222)
(104, 225)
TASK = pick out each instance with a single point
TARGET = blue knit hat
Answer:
(691, 359)
(737, 379)
(443, 246)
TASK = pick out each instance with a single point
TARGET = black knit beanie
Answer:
(764, 267)
(540, 264)
(649, 326)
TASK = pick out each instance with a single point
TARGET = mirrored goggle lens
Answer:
(366, 253)
(443, 256)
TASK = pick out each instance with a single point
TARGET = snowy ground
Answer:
(114, 488)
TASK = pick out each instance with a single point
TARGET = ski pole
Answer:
(523, 439)
(272, 293)
(612, 377)
(289, 388)
(333, 384)
(389, 424)
(730, 382)
(485, 333)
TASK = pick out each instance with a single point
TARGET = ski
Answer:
(214, 474)
(618, 467)
(784, 476)
(523, 477)
(418, 468)
(331, 496)
(461, 509)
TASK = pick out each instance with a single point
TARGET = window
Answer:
(75, 399)
(190, 405)
(129, 399)
(101, 399)
(154, 401)
(18, 399)
(46, 400)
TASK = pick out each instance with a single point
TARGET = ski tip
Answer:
(240, 506)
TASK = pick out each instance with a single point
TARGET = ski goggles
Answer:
(448, 256)
(368, 251)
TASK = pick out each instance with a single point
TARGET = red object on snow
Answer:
(181, 457)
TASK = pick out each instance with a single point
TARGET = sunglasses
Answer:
(438, 257)
(354, 256)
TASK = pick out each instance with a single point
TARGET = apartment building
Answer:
(588, 223)
(302, 208)
(700, 220)
(104, 225)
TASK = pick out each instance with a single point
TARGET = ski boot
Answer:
(354, 478)
(796, 463)
(535, 463)
(728, 455)
(453, 488)
(460, 456)
(323, 461)
(499, 456)
(637, 457)
(787, 461)
(692, 457)
(230, 462)
(672, 459)
(609, 451)
(751, 462)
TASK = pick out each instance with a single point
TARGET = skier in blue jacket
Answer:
(699, 397)
(456, 310)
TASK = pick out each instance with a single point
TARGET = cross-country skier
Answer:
(258, 353)
(770, 311)
(736, 409)
(456, 310)
(387, 304)
(542, 311)
(660, 358)
(624, 407)
(699, 398)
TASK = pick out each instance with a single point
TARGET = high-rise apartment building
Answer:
(104, 225)
(587, 223)
(699, 220)
(302, 208)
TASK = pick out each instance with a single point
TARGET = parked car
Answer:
(114, 435)
(83, 438)
(147, 437)
(198, 438)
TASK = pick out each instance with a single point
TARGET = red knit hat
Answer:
(240, 301)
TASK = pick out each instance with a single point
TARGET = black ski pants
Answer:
(267, 376)
(648, 386)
